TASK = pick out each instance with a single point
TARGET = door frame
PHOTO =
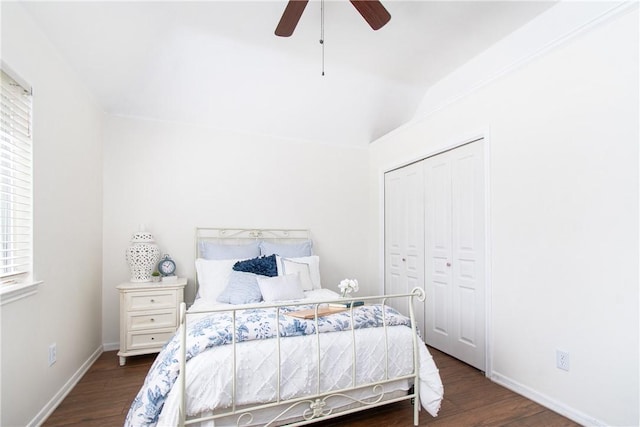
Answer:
(434, 151)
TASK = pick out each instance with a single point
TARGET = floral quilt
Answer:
(216, 329)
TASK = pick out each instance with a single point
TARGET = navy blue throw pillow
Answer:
(265, 266)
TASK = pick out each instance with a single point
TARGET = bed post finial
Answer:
(419, 293)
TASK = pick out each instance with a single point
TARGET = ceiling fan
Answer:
(371, 10)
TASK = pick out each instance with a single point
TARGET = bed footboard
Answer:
(319, 404)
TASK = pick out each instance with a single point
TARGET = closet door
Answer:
(404, 235)
(454, 253)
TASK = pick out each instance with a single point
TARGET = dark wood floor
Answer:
(103, 396)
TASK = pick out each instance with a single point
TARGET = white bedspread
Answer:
(209, 379)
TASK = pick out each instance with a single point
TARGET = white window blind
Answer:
(15, 180)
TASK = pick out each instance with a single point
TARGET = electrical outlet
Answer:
(562, 360)
(52, 354)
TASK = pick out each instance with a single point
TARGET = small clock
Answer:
(166, 266)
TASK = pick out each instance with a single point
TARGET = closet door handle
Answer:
(404, 259)
(448, 264)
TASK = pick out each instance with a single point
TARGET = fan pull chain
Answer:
(322, 32)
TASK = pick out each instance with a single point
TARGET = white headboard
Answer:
(238, 236)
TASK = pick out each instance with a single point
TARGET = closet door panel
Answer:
(467, 204)
(467, 316)
(393, 231)
(454, 253)
(414, 238)
(437, 190)
(404, 235)
(438, 314)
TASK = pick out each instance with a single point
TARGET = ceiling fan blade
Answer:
(373, 12)
(290, 17)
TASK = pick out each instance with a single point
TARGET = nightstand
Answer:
(148, 316)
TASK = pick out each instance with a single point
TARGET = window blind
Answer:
(16, 200)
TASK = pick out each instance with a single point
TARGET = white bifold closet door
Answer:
(404, 235)
(454, 220)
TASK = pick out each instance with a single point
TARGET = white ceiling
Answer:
(218, 63)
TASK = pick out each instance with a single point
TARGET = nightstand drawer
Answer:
(150, 301)
(149, 339)
(157, 319)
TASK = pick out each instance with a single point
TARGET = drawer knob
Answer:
(153, 320)
(153, 338)
(152, 300)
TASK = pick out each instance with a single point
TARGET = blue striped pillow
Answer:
(242, 288)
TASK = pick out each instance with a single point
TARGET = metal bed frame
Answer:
(317, 408)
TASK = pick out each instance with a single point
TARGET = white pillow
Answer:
(302, 269)
(281, 288)
(312, 261)
(213, 276)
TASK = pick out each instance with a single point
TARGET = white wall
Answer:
(563, 169)
(564, 214)
(175, 177)
(67, 230)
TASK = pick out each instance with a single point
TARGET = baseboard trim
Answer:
(546, 401)
(57, 399)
